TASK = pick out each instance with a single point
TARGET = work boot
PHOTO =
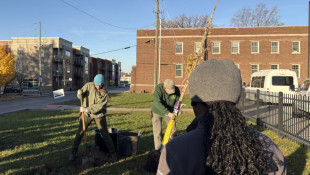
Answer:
(72, 156)
(113, 157)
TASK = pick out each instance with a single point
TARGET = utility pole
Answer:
(308, 40)
(156, 43)
(40, 61)
(159, 51)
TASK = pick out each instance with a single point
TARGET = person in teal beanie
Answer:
(94, 99)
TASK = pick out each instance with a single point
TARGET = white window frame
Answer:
(180, 70)
(274, 65)
(196, 47)
(237, 65)
(278, 47)
(232, 47)
(254, 69)
(295, 52)
(219, 47)
(298, 73)
(255, 46)
(176, 48)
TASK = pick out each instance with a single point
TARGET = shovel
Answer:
(84, 127)
(87, 160)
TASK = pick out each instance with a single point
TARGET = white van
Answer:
(270, 82)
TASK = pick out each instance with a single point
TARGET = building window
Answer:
(67, 61)
(296, 47)
(216, 49)
(237, 65)
(295, 67)
(20, 51)
(274, 46)
(235, 47)
(42, 53)
(86, 65)
(179, 48)
(42, 67)
(197, 46)
(30, 84)
(254, 68)
(254, 47)
(179, 70)
(274, 66)
(67, 53)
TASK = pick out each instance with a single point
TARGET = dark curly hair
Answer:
(231, 145)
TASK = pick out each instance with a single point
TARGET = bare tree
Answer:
(260, 16)
(21, 65)
(183, 21)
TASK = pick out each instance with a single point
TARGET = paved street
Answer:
(40, 102)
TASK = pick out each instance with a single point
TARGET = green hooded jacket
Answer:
(95, 101)
(163, 103)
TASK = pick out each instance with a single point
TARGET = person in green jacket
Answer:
(94, 99)
(165, 97)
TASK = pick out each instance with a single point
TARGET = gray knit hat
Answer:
(215, 80)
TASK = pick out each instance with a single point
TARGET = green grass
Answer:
(130, 100)
(30, 139)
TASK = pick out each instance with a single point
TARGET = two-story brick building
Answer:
(251, 48)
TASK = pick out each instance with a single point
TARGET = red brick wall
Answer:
(6, 43)
(144, 71)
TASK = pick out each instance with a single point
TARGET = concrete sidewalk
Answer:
(73, 107)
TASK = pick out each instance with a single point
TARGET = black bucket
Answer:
(100, 142)
(128, 143)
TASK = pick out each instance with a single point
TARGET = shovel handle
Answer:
(83, 120)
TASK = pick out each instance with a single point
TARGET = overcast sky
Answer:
(107, 25)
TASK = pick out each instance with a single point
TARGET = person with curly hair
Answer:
(219, 141)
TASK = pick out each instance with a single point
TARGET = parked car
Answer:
(300, 107)
(270, 83)
(10, 89)
(122, 84)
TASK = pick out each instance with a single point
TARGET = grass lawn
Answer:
(30, 139)
(130, 100)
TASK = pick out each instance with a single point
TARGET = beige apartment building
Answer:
(62, 66)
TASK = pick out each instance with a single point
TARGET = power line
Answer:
(128, 47)
(100, 19)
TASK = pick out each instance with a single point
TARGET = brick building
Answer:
(108, 67)
(251, 48)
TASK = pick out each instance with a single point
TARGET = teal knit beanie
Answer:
(99, 80)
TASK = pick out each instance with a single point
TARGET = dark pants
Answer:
(102, 127)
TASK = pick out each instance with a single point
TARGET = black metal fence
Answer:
(288, 114)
